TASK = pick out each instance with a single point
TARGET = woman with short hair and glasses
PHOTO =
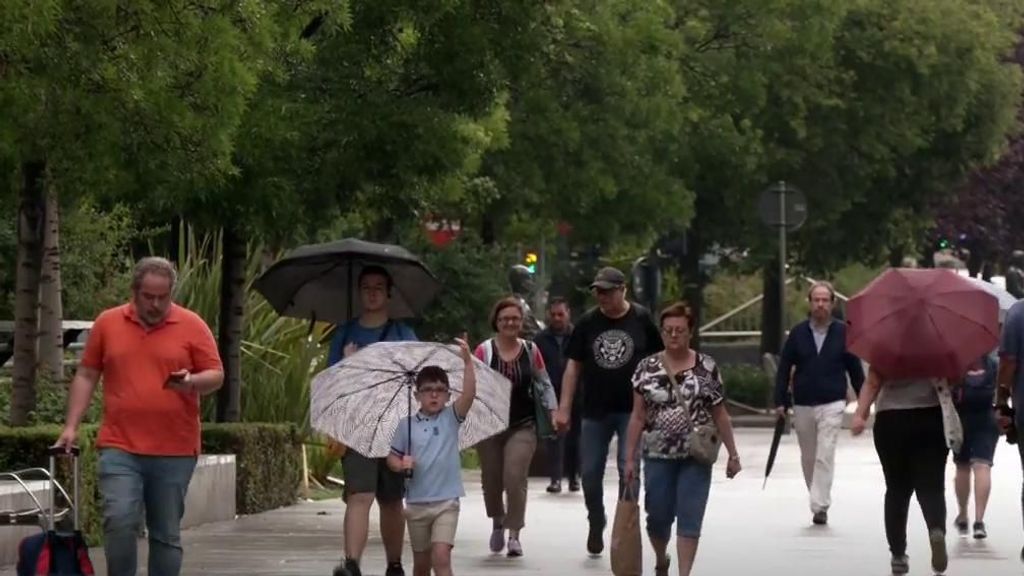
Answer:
(676, 391)
(505, 458)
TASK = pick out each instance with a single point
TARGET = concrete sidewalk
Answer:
(746, 531)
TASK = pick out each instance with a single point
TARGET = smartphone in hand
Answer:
(176, 380)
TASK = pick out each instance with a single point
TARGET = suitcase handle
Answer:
(74, 451)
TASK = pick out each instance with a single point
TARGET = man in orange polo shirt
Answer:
(156, 359)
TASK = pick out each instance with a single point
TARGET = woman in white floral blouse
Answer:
(665, 412)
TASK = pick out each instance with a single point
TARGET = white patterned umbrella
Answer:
(361, 400)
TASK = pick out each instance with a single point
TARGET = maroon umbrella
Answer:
(922, 323)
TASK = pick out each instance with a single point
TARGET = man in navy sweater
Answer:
(816, 348)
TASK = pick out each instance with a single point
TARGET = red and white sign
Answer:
(440, 231)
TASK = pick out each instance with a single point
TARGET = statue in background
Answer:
(521, 283)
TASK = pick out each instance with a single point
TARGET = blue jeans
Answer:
(129, 484)
(676, 490)
(595, 437)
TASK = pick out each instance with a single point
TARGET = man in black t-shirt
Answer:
(606, 345)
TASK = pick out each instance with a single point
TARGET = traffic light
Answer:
(530, 260)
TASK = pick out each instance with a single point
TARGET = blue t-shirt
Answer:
(437, 474)
(1012, 345)
(355, 333)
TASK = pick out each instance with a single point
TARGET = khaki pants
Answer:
(817, 432)
(432, 523)
(504, 469)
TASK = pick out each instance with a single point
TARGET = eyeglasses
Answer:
(510, 320)
(432, 390)
(674, 331)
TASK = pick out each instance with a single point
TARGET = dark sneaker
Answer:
(820, 518)
(961, 525)
(662, 570)
(940, 558)
(555, 487)
(515, 549)
(900, 564)
(395, 569)
(574, 485)
(348, 568)
(979, 531)
(595, 540)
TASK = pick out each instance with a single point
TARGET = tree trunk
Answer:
(488, 234)
(51, 310)
(896, 256)
(692, 280)
(229, 338)
(31, 216)
(771, 318)
(175, 241)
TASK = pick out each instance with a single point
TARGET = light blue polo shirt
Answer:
(437, 475)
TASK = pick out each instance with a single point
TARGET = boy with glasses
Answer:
(426, 449)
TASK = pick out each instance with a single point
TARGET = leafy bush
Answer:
(51, 403)
(747, 384)
(268, 463)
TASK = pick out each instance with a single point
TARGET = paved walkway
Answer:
(747, 530)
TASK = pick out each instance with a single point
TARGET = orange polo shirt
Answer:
(140, 415)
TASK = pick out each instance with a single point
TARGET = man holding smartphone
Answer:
(156, 359)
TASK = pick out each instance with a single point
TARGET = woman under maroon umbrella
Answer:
(912, 434)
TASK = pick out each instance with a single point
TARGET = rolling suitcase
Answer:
(55, 551)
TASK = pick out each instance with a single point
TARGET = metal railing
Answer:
(742, 322)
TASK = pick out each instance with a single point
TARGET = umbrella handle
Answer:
(408, 420)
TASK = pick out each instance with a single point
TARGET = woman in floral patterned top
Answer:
(665, 414)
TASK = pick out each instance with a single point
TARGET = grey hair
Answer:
(153, 265)
(822, 284)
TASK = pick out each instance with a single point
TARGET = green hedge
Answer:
(747, 384)
(267, 463)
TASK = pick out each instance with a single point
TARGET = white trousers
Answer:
(817, 432)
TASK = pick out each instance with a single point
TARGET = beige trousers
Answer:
(817, 431)
(504, 470)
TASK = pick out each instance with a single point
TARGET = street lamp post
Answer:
(784, 207)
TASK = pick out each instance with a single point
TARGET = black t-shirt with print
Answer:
(609, 351)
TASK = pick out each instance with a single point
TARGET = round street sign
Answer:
(782, 203)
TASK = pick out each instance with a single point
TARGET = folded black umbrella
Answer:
(319, 281)
(780, 427)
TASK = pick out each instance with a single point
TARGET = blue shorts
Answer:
(676, 490)
(981, 434)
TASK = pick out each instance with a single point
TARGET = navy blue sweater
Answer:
(820, 378)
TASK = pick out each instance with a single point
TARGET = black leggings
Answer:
(911, 445)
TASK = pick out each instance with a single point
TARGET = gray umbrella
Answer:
(319, 281)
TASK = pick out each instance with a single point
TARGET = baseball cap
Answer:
(608, 278)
